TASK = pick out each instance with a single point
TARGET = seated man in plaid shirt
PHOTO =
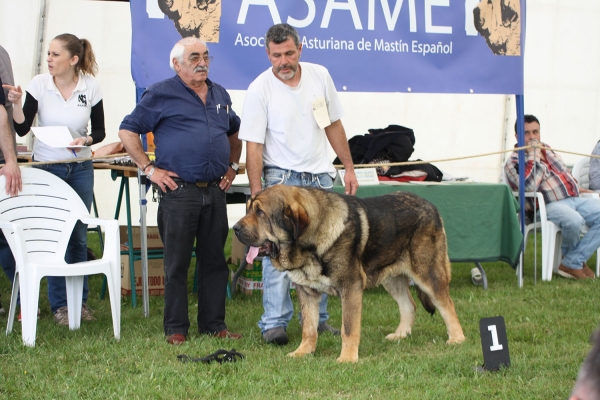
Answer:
(564, 206)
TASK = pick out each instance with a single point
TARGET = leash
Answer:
(219, 356)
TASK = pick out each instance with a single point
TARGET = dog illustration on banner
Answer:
(499, 22)
(199, 18)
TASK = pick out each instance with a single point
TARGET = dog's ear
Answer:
(297, 214)
(510, 12)
(250, 201)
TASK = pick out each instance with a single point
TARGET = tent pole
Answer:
(520, 102)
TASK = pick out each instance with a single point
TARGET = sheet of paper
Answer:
(364, 176)
(54, 136)
(320, 112)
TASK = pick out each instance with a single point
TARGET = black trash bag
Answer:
(395, 143)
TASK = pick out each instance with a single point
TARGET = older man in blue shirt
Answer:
(197, 153)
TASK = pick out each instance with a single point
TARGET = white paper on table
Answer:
(364, 176)
(54, 136)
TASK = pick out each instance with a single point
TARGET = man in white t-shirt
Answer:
(291, 112)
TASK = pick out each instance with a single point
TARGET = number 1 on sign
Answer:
(495, 345)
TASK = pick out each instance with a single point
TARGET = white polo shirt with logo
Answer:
(73, 113)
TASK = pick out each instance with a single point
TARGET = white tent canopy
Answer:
(562, 86)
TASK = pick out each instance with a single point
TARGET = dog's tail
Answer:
(425, 300)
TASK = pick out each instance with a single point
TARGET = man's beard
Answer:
(288, 75)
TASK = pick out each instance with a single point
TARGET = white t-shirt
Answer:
(281, 118)
(53, 110)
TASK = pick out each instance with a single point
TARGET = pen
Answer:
(74, 153)
(218, 106)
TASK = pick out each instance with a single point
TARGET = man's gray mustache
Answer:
(199, 69)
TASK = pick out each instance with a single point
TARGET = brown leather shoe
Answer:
(572, 273)
(176, 339)
(225, 334)
(588, 271)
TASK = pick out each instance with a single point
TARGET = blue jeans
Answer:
(572, 215)
(277, 303)
(80, 176)
(6, 259)
(186, 214)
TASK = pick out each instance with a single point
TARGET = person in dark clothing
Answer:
(197, 154)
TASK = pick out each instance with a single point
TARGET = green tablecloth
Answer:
(480, 218)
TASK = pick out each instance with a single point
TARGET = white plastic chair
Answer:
(549, 230)
(581, 172)
(38, 224)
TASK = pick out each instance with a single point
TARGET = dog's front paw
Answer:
(307, 346)
(456, 340)
(298, 353)
(398, 335)
(344, 358)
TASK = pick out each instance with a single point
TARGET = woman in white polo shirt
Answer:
(66, 96)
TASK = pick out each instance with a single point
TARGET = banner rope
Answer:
(25, 164)
(336, 165)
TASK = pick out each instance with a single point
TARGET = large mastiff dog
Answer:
(342, 245)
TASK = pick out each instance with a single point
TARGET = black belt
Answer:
(182, 183)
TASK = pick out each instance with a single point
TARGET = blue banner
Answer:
(423, 46)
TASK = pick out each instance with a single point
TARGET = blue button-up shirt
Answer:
(190, 136)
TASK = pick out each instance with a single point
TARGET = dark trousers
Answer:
(6, 258)
(185, 214)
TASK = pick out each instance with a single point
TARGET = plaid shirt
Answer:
(595, 169)
(552, 178)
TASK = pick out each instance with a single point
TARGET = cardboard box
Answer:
(152, 235)
(251, 277)
(238, 251)
(156, 276)
(248, 286)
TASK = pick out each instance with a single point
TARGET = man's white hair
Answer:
(179, 49)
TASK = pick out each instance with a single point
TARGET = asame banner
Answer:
(424, 46)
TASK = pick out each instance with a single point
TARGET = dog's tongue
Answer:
(252, 253)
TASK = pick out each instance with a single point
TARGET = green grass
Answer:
(548, 328)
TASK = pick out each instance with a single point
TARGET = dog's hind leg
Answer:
(442, 301)
(448, 313)
(309, 304)
(397, 287)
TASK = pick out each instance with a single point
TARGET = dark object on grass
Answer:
(90, 254)
(219, 356)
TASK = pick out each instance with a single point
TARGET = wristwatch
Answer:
(234, 166)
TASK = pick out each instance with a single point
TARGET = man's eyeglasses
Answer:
(194, 58)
